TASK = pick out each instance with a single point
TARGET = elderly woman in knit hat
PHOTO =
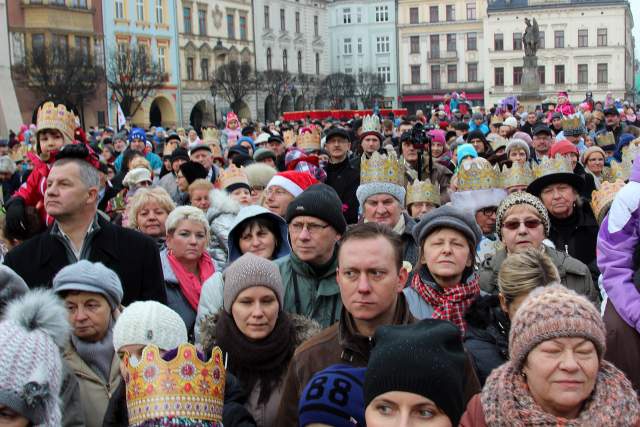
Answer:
(522, 222)
(92, 294)
(518, 151)
(593, 160)
(556, 374)
(255, 332)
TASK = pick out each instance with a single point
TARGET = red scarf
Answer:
(451, 303)
(190, 284)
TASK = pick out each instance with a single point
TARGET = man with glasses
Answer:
(283, 188)
(316, 224)
(342, 176)
(542, 141)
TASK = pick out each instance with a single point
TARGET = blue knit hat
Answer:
(465, 150)
(137, 133)
(334, 397)
(247, 139)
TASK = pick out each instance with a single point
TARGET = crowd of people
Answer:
(467, 267)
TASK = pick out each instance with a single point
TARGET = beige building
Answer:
(9, 110)
(585, 46)
(441, 49)
(212, 33)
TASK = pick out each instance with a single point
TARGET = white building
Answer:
(363, 39)
(586, 46)
(10, 118)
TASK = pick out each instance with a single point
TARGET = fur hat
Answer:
(11, 286)
(259, 174)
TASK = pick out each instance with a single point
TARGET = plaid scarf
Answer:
(450, 303)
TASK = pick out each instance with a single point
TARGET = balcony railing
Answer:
(442, 56)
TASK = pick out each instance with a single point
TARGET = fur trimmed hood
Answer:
(221, 203)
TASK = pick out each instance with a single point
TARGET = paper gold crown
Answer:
(381, 168)
(571, 123)
(309, 140)
(602, 198)
(548, 166)
(289, 138)
(216, 151)
(371, 124)
(478, 174)
(210, 136)
(184, 387)
(496, 120)
(423, 191)
(605, 139)
(498, 142)
(622, 170)
(232, 175)
(57, 117)
(517, 174)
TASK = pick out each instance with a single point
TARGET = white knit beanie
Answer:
(365, 191)
(149, 322)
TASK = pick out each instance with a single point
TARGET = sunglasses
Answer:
(529, 223)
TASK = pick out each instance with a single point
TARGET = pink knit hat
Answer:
(550, 312)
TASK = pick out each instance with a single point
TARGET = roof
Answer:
(498, 5)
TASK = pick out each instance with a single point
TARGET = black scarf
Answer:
(253, 362)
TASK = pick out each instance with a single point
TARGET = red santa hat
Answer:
(293, 181)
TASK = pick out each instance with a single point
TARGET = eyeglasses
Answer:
(529, 223)
(297, 227)
(273, 191)
(491, 210)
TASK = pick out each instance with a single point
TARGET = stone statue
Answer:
(531, 39)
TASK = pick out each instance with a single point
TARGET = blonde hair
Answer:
(139, 162)
(186, 213)
(200, 184)
(524, 271)
(144, 196)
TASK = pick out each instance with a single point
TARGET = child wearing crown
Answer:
(55, 127)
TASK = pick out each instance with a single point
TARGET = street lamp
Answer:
(214, 92)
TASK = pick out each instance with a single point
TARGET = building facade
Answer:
(586, 45)
(291, 35)
(148, 25)
(9, 110)
(63, 25)
(441, 50)
(363, 39)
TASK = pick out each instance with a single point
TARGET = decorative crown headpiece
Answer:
(381, 168)
(309, 140)
(423, 191)
(184, 387)
(605, 139)
(517, 174)
(548, 166)
(571, 123)
(57, 117)
(477, 174)
(289, 138)
(210, 135)
(497, 142)
(602, 198)
(216, 151)
(496, 120)
(371, 124)
(232, 175)
(622, 170)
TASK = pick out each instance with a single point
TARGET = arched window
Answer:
(268, 58)
(299, 62)
(284, 60)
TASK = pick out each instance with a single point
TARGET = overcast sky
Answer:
(635, 9)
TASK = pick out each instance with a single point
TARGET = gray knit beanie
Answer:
(248, 271)
(447, 217)
(86, 276)
(522, 198)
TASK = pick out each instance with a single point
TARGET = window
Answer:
(285, 60)
(80, 4)
(358, 15)
(517, 41)
(541, 40)
(603, 74)
(189, 68)
(316, 30)
(472, 41)
(348, 70)
(119, 9)
(498, 76)
(231, 29)
(583, 38)
(317, 63)
(602, 37)
(204, 69)
(268, 58)
(451, 12)
(243, 28)
(434, 42)
(451, 42)
(186, 15)
(583, 74)
(143, 50)
(541, 74)
(414, 16)
(384, 73)
(452, 73)
(162, 58)
(435, 77)
(382, 13)
(558, 39)
(382, 44)
(347, 46)
(471, 11)
(498, 42)
(123, 49)
(283, 23)
(266, 17)
(433, 14)
(415, 74)
(159, 11)
(299, 62)
(559, 74)
(346, 15)
(472, 72)
(61, 43)
(82, 45)
(517, 76)
(202, 22)
(360, 46)
(415, 44)
(140, 10)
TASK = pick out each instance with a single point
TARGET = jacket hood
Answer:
(167, 272)
(252, 212)
(221, 203)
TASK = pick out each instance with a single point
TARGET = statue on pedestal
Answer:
(531, 39)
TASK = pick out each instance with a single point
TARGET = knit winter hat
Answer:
(193, 170)
(562, 147)
(263, 154)
(447, 217)
(32, 333)
(369, 189)
(517, 143)
(319, 201)
(87, 276)
(149, 322)
(248, 271)
(293, 181)
(11, 286)
(425, 358)
(522, 198)
(464, 151)
(136, 176)
(550, 312)
(318, 405)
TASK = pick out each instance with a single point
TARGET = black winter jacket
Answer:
(345, 179)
